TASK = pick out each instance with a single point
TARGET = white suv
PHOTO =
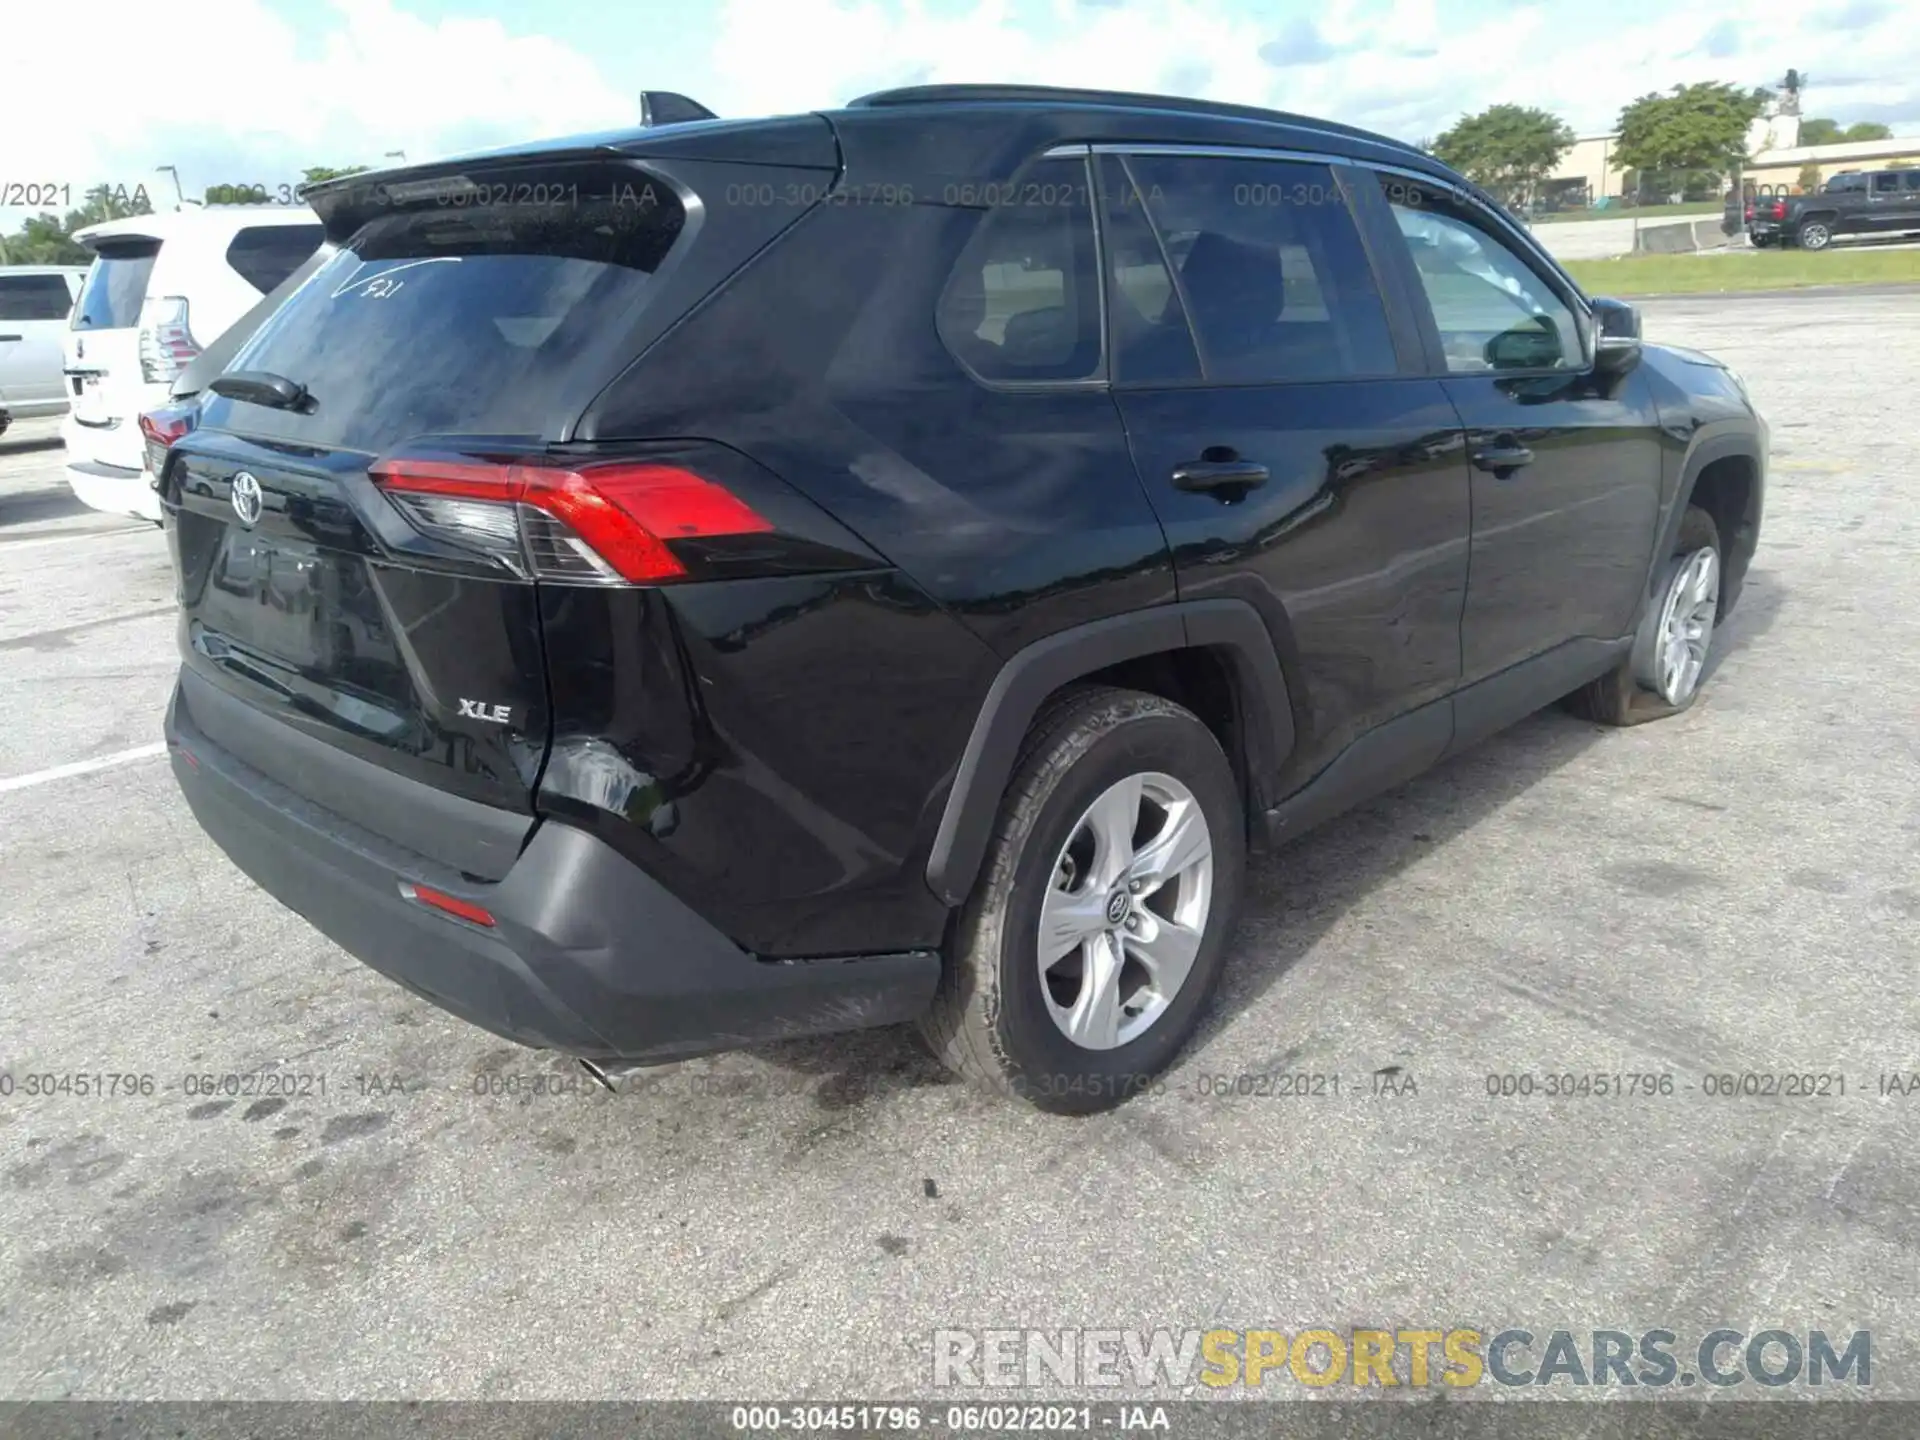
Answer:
(35, 301)
(161, 289)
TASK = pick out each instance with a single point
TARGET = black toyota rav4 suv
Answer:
(664, 591)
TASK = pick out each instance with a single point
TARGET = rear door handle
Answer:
(1202, 475)
(1502, 460)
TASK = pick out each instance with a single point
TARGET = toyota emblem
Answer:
(246, 497)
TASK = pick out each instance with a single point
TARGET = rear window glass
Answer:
(34, 297)
(476, 312)
(116, 285)
(267, 254)
(1023, 302)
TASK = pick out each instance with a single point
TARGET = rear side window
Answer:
(479, 312)
(1023, 302)
(1269, 266)
(34, 297)
(1886, 182)
(1913, 180)
(116, 285)
(267, 254)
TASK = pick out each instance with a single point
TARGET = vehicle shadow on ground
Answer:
(52, 502)
(11, 444)
(1297, 893)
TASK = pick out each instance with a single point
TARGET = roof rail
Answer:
(1126, 99)
(665, 107)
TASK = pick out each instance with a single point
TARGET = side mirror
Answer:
(1616, 347)
(1533, 346)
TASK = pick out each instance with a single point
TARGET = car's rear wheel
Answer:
(1663, 672)
(1813, 235)
(1085, 956)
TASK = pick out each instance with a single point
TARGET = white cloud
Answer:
(243, 96)
(1398, 66)
(238, 98)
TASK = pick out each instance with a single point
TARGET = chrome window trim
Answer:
(1502, 224)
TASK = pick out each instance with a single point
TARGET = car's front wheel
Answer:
(1662, 673)
(1084, 958)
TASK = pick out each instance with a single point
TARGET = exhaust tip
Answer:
(609, 1073)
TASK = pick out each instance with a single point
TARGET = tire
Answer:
(993, 1020)
(1761, 242)
(1813, 235)
(1637, 689)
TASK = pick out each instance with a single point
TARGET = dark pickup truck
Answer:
(1877, 202)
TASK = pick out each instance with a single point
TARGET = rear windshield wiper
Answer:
(262, 387)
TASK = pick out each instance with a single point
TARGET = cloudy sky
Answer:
(250, 91)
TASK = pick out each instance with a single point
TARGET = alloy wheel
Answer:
(1125, 911)
(1678, 656)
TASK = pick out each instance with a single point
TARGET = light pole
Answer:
(399, 155)
(179, 198)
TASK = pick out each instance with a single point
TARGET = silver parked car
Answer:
(35, 301)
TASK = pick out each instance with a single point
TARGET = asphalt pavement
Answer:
(387, 1203)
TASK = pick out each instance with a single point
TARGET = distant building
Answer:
(1588, 173)
(1781, 168)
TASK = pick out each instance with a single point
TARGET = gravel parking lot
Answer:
(1733, 891)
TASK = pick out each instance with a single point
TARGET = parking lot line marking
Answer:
(83, 767)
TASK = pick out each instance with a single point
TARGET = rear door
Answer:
(103, 351)
(1294, 453)
(1889, 202)
(1565, 467)
(472, 323)
(33, 322)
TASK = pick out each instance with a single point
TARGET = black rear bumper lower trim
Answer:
(588, 954)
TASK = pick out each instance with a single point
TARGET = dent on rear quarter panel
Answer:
(769, 750)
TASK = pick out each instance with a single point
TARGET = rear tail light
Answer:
(1749, 212)
(160, 428)
(167, 345)
(1779, 211)
(601, 522)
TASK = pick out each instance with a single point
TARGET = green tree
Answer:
(236, 195)
(47, 239)
(315, 174)
(1690, 138)
(1818, 130)
(1809, 177)
(1507, 150)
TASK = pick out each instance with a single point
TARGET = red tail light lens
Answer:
(604, 521)
(1779, 209)
(448, 905)
(160, 428)
(167, 345)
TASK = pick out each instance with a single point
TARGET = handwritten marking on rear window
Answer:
(381, 285)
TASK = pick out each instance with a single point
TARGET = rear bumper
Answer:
(111, 488)
(588, 954)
